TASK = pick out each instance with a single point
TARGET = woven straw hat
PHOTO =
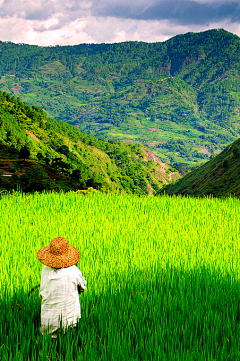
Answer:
(58, 254)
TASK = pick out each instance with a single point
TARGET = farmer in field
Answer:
(61, 283)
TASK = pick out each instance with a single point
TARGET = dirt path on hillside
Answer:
(151, 156)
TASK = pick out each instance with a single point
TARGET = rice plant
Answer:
(162, 273)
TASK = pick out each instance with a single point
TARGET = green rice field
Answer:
(162, 276)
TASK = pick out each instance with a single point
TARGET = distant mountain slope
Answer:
(219, 177)
(62, 157)
(180, 98)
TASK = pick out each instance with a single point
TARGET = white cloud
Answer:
(119, 36)
(52, 22)
(25, 31)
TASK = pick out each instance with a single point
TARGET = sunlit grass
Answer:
(162, 273)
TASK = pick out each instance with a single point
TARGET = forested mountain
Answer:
(181, 98)
(41, 153)
(218, 177)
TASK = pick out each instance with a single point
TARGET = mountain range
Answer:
(218, 177)
(179, 98)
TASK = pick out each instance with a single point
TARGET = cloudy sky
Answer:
(69, 22)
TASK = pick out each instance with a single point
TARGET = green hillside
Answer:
(218, 177)
(180, 98)
(41, 153)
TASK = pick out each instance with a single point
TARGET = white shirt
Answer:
(60, 298)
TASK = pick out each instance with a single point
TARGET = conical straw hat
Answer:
(58, 254)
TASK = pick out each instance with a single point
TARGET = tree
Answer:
(40, 156)
(24, 153)
(76, 174)
(64, 150)
(59, 164)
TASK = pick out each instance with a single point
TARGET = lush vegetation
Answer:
(218, 177)
(45, 154)
(162, 273)
(180, 98)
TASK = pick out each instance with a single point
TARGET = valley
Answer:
(180, 98)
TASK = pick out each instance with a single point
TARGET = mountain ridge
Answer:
(180, 98)
(42, 153)
(218, 177)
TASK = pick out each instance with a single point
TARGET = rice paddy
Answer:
(162, 276)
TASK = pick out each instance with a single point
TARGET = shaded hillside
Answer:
(32, 175)
(34, 148)
(219, 177)
(180, 97)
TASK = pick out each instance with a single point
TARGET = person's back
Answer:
(60, 298)
(60, 281)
